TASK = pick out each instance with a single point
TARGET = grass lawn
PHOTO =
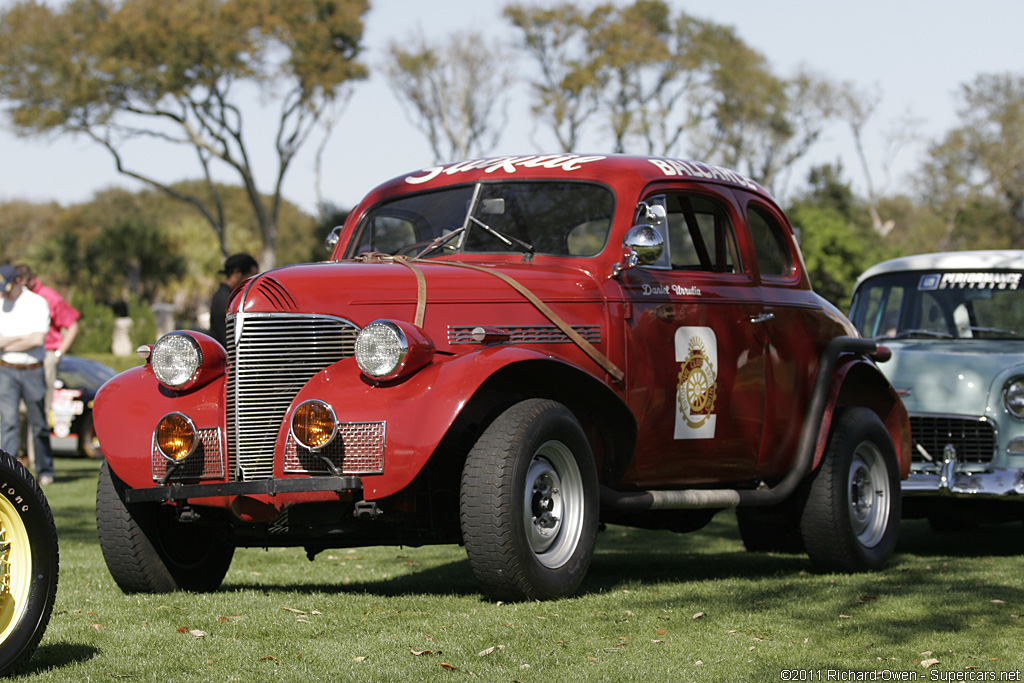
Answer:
(655, 607)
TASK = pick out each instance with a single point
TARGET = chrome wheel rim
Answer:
(553, 504)
(869, 495)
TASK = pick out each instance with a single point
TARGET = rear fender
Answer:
(858, 382)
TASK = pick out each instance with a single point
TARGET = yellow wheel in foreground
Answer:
(28, 565)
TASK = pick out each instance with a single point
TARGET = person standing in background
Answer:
(237, 268)
(63, 327)
(24, 323)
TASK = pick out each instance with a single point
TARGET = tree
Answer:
(835, 234)
(974, 177)
(567, 88)
(760, 124)
(452, 89)
(122, 72)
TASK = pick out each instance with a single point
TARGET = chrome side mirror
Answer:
(643, 245)
(333, 237)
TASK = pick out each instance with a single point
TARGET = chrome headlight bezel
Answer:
(176, 359)
(380, 349)
(1013, 397)
(389, 349)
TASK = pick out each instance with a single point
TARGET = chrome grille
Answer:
(974, 439)
(275, 356)
(527, 334)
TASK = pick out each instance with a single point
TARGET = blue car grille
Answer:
(973, 438)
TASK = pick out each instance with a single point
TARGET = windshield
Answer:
(986, 304)
(543, 217)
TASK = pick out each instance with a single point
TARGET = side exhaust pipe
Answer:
(731, 498)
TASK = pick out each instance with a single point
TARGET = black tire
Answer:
(774, 528)
(29, 559)
(148, 551)
(88, 442)
(529, 503)
(851, 518)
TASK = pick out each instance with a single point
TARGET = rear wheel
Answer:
(774, 528)
(147, 550)
(852, 513)
(28, 565)
(529, 503)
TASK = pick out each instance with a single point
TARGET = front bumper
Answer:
(996, 482)
(271, 487)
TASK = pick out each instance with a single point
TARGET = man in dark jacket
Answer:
(237, 268)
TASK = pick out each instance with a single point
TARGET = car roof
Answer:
(989, 259)
(566, 166)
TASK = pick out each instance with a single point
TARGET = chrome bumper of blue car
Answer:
(947, 481)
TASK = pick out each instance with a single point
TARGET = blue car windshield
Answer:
(529, 217)
(976, 304)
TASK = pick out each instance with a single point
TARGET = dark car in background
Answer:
(71, 430)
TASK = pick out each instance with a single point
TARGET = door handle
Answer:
(763, 318)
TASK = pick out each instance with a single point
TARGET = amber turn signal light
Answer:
(176, 436)
(314, 424)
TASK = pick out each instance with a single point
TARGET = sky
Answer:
(915, 53)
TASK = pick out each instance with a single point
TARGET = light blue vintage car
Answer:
(955, 325)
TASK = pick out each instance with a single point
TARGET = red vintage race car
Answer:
(506, 353)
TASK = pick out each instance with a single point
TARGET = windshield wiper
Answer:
(1012, 334)
(907, 334)
(507, 239)
(441, 240)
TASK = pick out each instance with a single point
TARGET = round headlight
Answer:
(1013, 397)
(175, 359)
(381, 347)
(176, 436)
(314, 425)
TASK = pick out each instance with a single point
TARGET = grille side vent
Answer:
(527, 334)
(274, 292)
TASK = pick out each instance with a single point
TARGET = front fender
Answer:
(418, 411)
(127, 409)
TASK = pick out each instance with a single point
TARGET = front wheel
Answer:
(529, 503)
(28, 565)
(147, 550)
(852, 514)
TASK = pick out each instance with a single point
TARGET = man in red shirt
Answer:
(63, 327)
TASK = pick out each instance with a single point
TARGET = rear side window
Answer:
(773, 257)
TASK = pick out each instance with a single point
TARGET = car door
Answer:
(696, 366)
(795, 324)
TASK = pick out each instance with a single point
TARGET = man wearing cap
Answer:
(24, 322)
(237, 267)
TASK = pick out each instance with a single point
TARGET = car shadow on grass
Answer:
(57, 656)
(448, 579)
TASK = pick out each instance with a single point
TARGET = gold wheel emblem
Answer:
(698, 386)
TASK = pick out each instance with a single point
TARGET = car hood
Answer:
(951, 377)
(362, 292)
